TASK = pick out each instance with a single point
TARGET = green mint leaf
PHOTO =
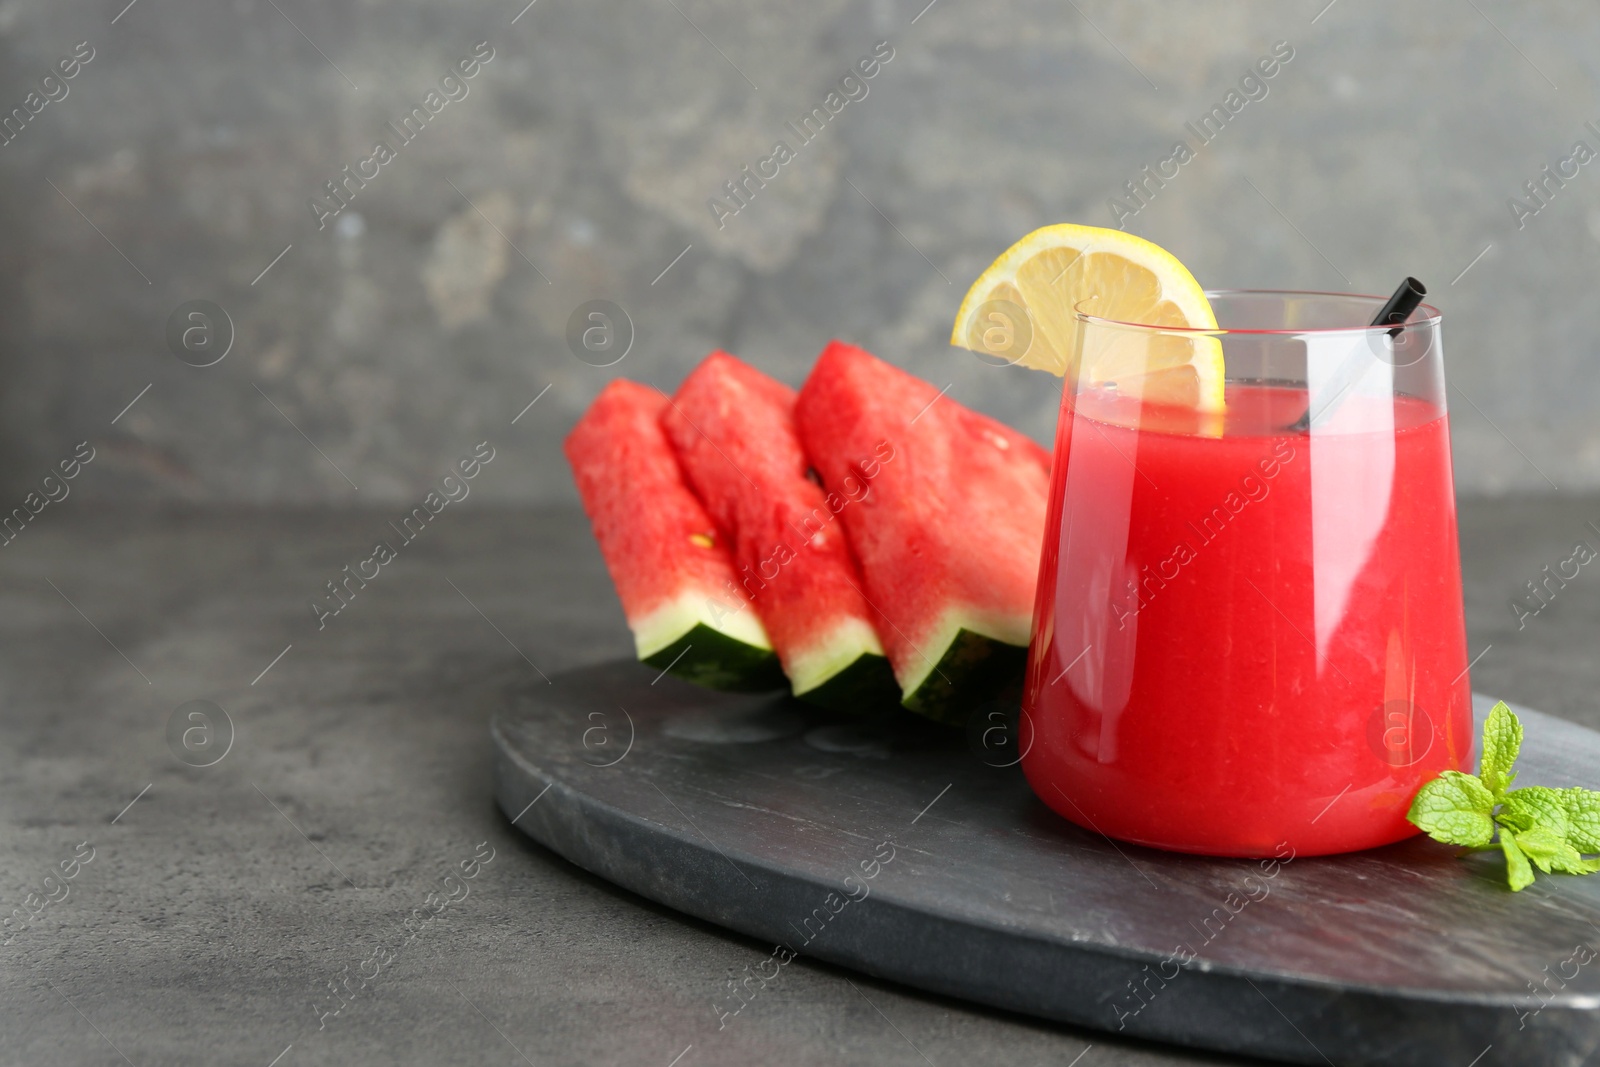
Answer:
(1455, 808)
(1548, 849)
(1502, 739)
(1569, 862)
(1518, 873)
(1538, 826)
(1536, 806)
(1583, 818)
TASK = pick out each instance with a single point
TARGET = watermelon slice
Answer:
(672, 571)
(733, 429)
(945, 510)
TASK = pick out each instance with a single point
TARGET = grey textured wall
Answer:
(426, 315)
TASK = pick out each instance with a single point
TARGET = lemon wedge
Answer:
(1023, 310)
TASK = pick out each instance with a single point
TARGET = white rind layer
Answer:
(849, 641)
(1007, 629)
(678, 616)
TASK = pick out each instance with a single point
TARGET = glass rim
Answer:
(1431, 317)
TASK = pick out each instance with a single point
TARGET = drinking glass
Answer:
(1249, 633)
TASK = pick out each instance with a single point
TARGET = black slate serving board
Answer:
(914, 853)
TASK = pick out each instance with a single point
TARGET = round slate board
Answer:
(896, 847)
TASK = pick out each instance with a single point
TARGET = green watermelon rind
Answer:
(696, 638)
(715, 660)
(966, 659)
(865, 684)
(971, 668)
(845, 670)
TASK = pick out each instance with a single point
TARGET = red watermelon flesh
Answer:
(672, 570)
(733, 429)
(946, 518)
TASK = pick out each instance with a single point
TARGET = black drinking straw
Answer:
(1401, 305)
(1395, 312)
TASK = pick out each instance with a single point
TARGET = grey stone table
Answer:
(344, 853)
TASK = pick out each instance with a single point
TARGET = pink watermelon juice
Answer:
(1245, 635)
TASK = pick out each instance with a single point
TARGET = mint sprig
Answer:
(1537, 826)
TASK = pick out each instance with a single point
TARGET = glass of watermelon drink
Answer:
(1249, 631)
